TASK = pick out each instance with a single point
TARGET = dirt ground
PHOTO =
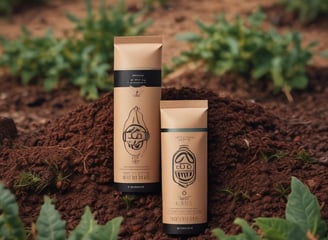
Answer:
(257, 140)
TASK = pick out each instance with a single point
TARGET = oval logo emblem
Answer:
(184, 166)
(135, 133)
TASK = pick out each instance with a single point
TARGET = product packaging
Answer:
(184, 166)
(137, 94)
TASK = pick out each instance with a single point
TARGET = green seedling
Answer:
(236, 193)
(128, 200)
(305, 157)
(29, 180)
(282, 190)
(52, 176)
(242, 47)
(279, 154)
(60, 179)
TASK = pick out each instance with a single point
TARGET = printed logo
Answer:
(135, 133)
(184, 166)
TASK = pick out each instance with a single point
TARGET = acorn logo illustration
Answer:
(135, 133)
(184, 166)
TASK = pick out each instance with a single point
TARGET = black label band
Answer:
(138, 187)
(138, 78)
(184, 229)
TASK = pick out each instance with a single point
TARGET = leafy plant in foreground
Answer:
(84, 59)
(49, 225)
(244, 48)
(302, 222)
(307, 10)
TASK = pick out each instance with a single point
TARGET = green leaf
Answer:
(11, 227)
(324, 54)
(274, 228)
(298, 82)
(303, 209)
(276, 72)
(188, 37)
(219, 234)
(257, 18)
(85, 228)
(90, 91)
(50, 83)
(247, 232)
(73, 18)
(27, 76)
(297, 233)
(88, 229)
(233, 45)
(49, 225)
(261, 69)
(111, 230)
(312, 44)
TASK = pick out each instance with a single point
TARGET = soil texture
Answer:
(257, 140)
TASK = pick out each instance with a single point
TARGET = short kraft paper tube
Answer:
(184, 166)
(137, 94)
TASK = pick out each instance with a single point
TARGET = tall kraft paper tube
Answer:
(137, 94)
(184, 166)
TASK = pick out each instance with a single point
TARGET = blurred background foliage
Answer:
(85, 59)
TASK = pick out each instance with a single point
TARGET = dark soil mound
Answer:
(8, 130)
(251, 160)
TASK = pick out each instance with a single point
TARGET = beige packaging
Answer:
(137, 94)
(184, 166)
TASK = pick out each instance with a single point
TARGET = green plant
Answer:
(11, 226)
(85, 59)
(33, 58)
(282, 190)
(304, 156)
(49, 224)
(51, 176)
(236, 193)
(279, 154)
(324, 54)
(244, 48)
(302, 222)
(60, 179)
(128, 200)
(31, 181)
(93, 54)
(307, 10)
